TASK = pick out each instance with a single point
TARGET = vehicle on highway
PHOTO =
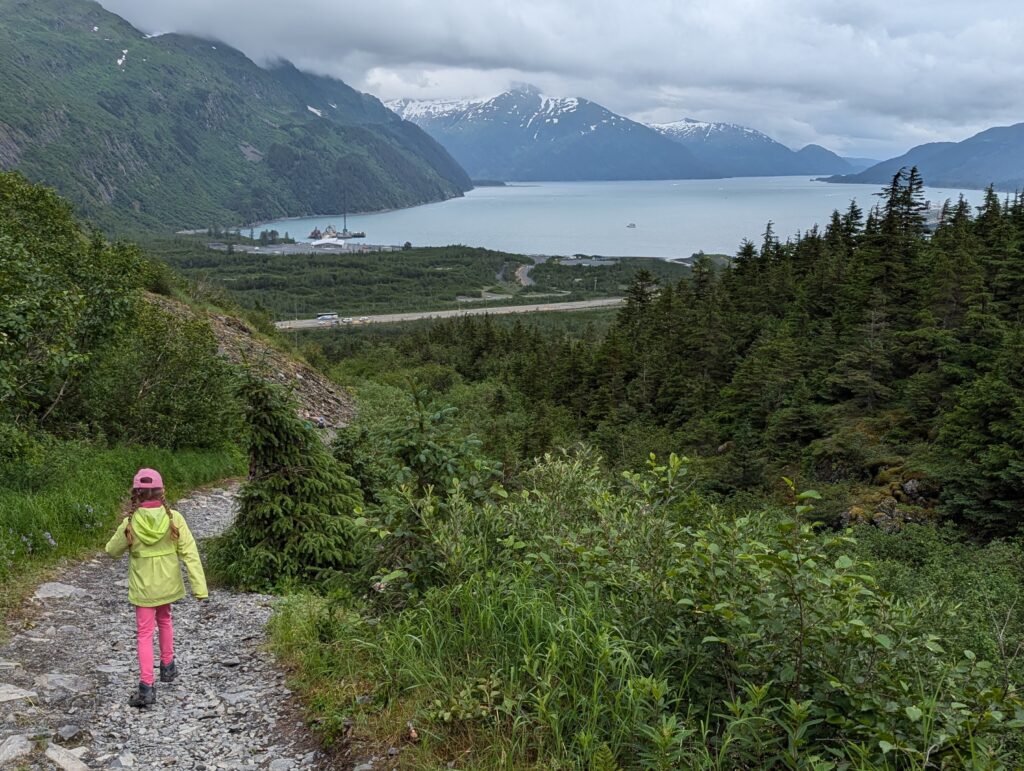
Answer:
(346, 320)
(327, 318)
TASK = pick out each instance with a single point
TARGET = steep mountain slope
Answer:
(813, 157)
(738, 151)
(993, 157)
(175, 131)
(525, 135)
(859, 164)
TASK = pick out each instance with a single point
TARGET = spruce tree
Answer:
(981, 446)
(295, 517)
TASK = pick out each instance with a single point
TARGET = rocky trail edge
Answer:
(69, 665)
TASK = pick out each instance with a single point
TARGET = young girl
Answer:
(156, 538)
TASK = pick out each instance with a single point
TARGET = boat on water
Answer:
(331, 233)
(631, 225)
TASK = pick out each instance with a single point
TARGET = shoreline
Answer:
(260, 223)
(675, 219)
(361, 213)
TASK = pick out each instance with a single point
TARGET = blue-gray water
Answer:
(673, 218)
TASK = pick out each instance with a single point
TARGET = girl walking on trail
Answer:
(156, 538)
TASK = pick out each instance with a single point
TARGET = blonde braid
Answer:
(133, 504)
(170, 515)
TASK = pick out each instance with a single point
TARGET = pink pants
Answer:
(144, 622)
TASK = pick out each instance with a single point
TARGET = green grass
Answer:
(67, 501)
(457, 681)
(573, 626)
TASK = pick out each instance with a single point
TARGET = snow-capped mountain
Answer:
(738, 151)
(523, 134)
(697, 130)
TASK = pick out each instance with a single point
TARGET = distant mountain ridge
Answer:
(174, 131)
(992, 157)
(738, 151)
(859, 164)
(525, 135)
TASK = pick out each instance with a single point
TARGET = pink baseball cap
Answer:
(147, 479)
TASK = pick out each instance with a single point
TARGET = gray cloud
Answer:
(872, 77)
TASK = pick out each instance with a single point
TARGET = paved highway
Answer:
(392, 318)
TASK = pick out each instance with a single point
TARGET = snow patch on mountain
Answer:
(525, 134)
(418, 109)
(523, 105)
(692, 129)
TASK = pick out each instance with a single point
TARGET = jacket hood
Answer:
(150, 525)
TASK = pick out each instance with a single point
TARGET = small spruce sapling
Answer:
(295, 518)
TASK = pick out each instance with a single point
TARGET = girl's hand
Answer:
(205, 609)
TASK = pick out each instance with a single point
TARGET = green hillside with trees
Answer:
(176, 132)
(94, 382)
(830, 578)
(870, 356)
(505, 561)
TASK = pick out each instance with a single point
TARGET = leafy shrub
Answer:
(65, 293)
(160, 381)
(983, 583)
(157, 277)
(22, 458)
(578, 622)
(419, 467)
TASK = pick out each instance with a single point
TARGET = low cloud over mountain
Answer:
(870, 78)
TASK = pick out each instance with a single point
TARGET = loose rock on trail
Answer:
(70, 664)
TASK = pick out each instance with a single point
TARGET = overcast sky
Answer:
(862, 77)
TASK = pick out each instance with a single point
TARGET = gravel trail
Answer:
(70, 664)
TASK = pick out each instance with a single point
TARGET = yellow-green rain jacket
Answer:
(154, 577)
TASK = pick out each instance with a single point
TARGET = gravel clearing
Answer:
(70, 664)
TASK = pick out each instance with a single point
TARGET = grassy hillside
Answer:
(173, 131)
(516, 601)
(99, 376)
(508, 603)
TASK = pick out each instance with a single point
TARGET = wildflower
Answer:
(49, 540)
(379, 586)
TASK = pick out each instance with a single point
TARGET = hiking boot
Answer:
(144, 697)
(168, 672)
